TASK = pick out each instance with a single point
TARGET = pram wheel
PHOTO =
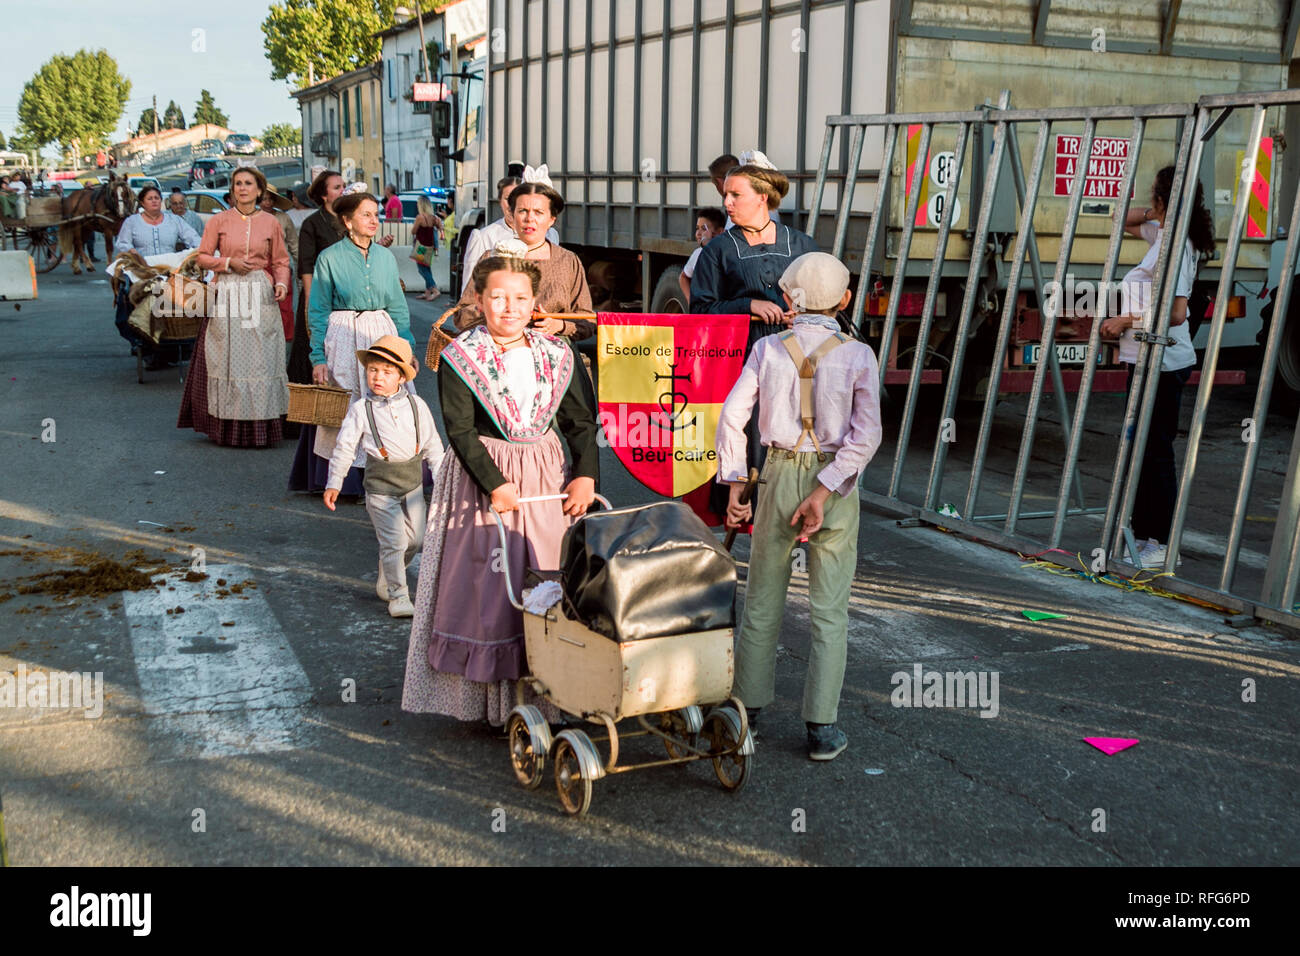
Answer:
(722, 734)
(530, 739)
(573, 785)
(683, 724)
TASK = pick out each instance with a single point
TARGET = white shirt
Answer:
(18, 186)
(1136, 292)
(482, 241)
(396, 428)
(688, 270)
(846, 407)
(521, 379)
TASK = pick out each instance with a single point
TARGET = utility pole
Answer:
(424, 62)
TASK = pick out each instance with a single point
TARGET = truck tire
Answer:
(1286, 379)
(668, 292)
(1286, 383)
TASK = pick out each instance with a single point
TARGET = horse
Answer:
(109, 204)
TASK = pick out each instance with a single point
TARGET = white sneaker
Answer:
(401, 607)
(381, 585)
(1154, 555)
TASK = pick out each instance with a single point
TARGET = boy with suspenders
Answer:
(819, 417)
(395, 427)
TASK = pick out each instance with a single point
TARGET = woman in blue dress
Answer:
(737, 273)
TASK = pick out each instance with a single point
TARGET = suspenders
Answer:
(807, 366)
(374, 431)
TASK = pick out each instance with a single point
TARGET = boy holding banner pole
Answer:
(818, 393)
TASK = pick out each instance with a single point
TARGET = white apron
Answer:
(244, 350)
(349, 332)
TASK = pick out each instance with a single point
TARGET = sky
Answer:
(154, 44)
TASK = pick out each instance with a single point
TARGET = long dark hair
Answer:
(1201, 229)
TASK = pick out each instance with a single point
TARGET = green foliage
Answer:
(308, 40)
(145, 126)
(3, 144)
(74, 99)
(205, 111)
(173, 118)
(281, 134)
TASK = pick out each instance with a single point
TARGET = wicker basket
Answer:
(179, 327)
(318, 404)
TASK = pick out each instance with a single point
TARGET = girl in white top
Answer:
(1157, 491)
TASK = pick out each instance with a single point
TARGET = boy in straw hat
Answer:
(395, 427)
(819, 416)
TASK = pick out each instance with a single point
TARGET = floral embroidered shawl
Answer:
(477, 360)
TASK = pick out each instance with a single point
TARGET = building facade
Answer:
(414, 157)
(343, 127)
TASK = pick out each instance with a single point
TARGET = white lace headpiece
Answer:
(754, 157)
(540, 175)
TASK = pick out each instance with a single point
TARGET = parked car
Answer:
(240, 143)
(210, 173)
(139, 182)
(410, 201)
(206, 202)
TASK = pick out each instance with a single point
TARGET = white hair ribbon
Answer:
(357, 187)
(540, 175)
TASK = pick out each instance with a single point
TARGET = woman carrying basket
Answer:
(237, 389)
(356, 298)
(506, 391)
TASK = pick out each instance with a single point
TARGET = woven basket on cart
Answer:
(318, 404)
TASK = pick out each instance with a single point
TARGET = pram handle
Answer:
(501, 529)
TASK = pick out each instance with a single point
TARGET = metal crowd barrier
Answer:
(1197, 123)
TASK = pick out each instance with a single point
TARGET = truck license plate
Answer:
(1067, 353)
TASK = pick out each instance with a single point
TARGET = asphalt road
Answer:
(267, 761)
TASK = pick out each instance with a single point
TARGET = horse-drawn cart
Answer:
(32, 224)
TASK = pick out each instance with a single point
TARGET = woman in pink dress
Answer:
(237, 390)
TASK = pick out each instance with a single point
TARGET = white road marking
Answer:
(216, 691)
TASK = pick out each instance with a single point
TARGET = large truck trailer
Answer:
(627, 102)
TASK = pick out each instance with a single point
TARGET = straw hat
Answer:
(282, 203)
(392, 349)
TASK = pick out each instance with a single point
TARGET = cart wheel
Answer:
(683, 724)
(528, 761)
(722, 733)
(43, 244)
(573, 785)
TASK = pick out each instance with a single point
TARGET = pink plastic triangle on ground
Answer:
(1111, 745)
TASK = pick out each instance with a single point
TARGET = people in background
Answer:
(709, 224)
(1157, 490)
(178, 206)
(392, 204)
(484, 240)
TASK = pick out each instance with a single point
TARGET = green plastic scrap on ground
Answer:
(1044, 615)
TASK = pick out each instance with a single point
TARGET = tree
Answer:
(145, 126)
(76, 98)
(281, 134)
(3, 144)
(173, 118)
(205, 111)
(312, 40)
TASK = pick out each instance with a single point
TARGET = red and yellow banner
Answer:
(662, 381)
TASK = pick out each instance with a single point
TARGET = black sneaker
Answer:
(825, 741)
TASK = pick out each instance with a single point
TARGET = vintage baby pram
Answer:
(644, 629)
